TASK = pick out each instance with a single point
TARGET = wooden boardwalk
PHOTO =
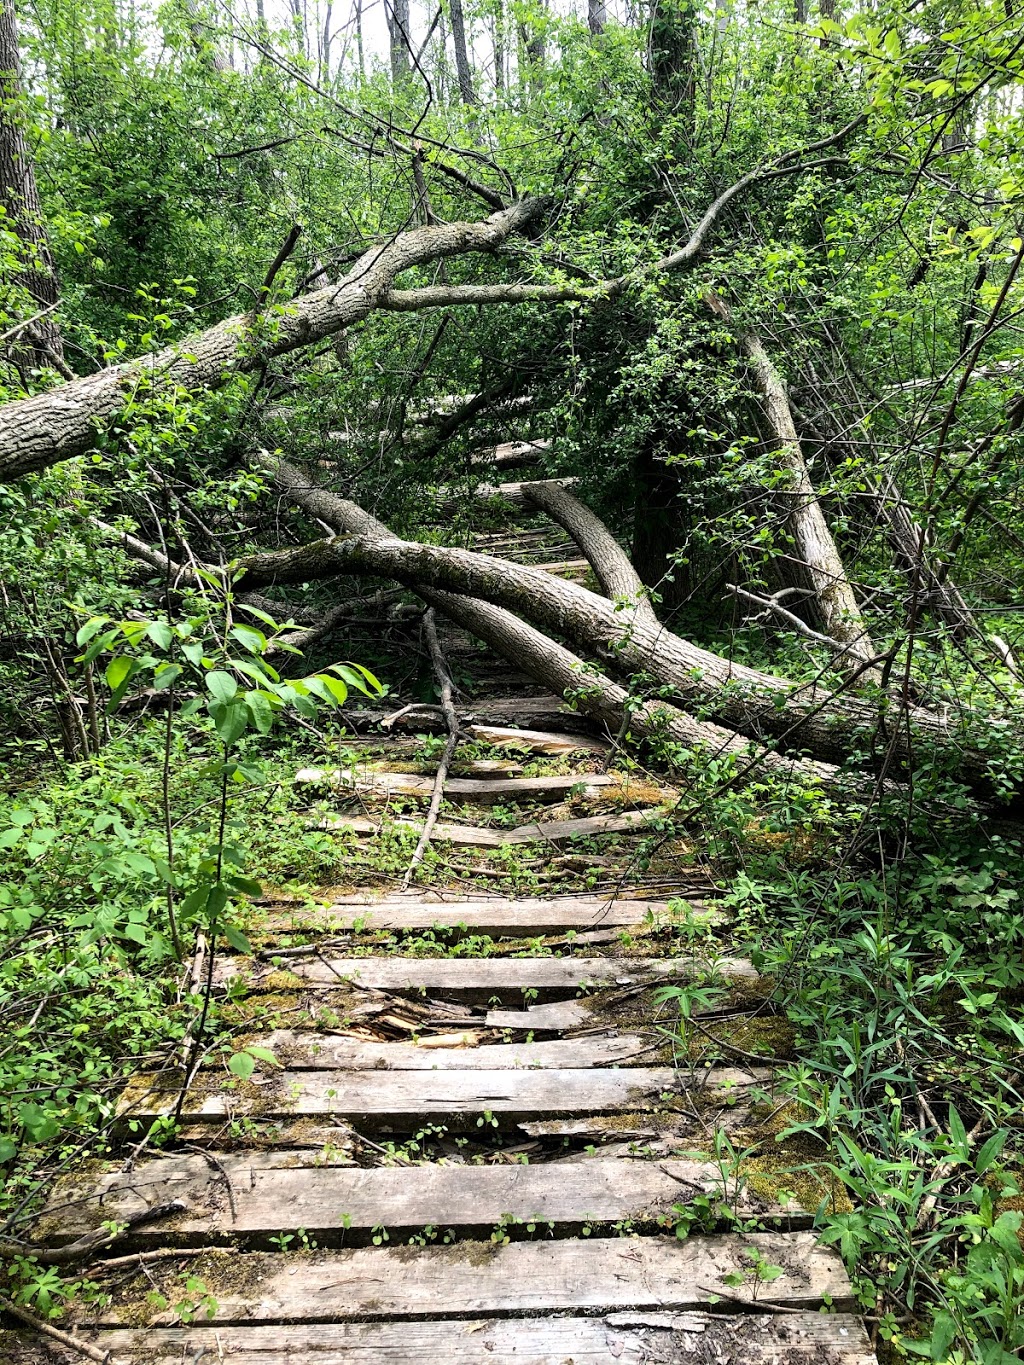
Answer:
(459, 1159)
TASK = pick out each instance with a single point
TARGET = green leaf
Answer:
(990, 1150)
(136, 932)
(160, 633)
(254, 640)
(264, 1054)
(261, 710)
(86, 632)
(221, 685)
(118, 671)
(242, 1065)
(230, 721)
(237, 939)
(245, 886)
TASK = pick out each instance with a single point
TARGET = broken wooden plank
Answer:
(304, 1051)
(548, 832)
(470, 835)
(472, 790)
(492, 976)
(557, 1017)
(254, 1195)
(406, 1099)
(536, 741)
(627, 1338)
(497, 917)
(465, 1279)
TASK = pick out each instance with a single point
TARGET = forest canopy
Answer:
(290, 295)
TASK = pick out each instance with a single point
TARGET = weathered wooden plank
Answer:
(627, 1338)
(478, 791)
(547, 832)
(556, 1017)
(403, 1099)
(471, 836)
(470, 1278)
(536, 741)
(497, 917)
(495, 976)
(306, 1051)
(253, 1196)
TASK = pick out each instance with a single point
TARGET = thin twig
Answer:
(17, 1310)
(444, 679)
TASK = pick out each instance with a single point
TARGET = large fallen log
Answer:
(828, 724)
(50, 427)
(615, 573)
(535, 653)
(813, 542)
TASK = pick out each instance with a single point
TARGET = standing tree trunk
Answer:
(462, 53)
(597, 16)
(499, 46)
(398, 30)
(20, 197)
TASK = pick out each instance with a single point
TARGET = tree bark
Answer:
(47, 428)
(19, 195)
(813, 541)
(549, 663)
(398, 31)
(615, 573)
(597, 17)
(462, 66)
(806, 717)
(41, 431)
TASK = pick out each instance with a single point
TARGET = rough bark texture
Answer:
(461, 53)
(615, 573)
(398, 31)
(806, 717)
(20, 197)
(597, 16)
(43, 430)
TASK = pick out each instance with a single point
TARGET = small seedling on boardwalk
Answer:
(758, 1273)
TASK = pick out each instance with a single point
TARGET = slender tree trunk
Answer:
(461, 53)
(597, 16)
(359, 39)
(325, 48)
(499, 46)
(398, 30)
(19, 195)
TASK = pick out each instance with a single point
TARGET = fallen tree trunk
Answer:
(814, 543)
(535, 653)
(43, 430)
(615, 573)
(807, 717)
(50, 427)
